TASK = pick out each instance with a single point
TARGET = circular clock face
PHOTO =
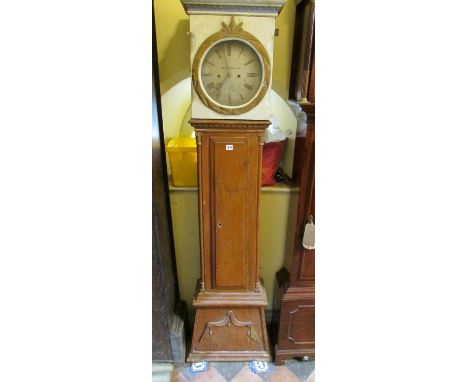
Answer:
(231, 73)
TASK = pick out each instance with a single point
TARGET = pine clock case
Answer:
(230, 299)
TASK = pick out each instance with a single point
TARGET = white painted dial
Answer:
(231, 73)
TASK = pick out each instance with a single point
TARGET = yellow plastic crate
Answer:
(182, 154)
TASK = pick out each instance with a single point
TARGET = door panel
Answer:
(229, 164)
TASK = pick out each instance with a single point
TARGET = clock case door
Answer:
(229, 178)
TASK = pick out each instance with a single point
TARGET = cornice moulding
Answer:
(239, 7)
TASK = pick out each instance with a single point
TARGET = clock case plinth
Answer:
(230, 326)
(230, 298)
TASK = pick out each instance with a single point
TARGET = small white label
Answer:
(229, 147)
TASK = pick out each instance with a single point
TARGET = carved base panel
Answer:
(230, 331)
(229, 334)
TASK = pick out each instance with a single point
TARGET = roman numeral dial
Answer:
(231, 73)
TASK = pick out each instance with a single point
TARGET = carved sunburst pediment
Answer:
(232, 27)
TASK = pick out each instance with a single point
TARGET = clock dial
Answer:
(231, 73)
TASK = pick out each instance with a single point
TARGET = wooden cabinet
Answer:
(168, 341)
(230, 300)
(296, 335)
(296, 321)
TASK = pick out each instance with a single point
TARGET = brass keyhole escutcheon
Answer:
(220, 225)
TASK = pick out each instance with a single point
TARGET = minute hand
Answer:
(227, 65)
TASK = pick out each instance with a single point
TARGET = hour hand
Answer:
(227, 65)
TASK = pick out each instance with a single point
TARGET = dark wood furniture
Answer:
(164, 279)
(295, 332)
(230, 299)
(302, 80)
(296, 317)
(168, 340)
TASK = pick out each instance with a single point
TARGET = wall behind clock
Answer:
(172, 27)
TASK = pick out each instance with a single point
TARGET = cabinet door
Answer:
(229, 187)
(230, 193)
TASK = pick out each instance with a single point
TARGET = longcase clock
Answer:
(231, 46)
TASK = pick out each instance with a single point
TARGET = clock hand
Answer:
(225, 78)
(228, 74)
(227, 65)
(219, 85)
